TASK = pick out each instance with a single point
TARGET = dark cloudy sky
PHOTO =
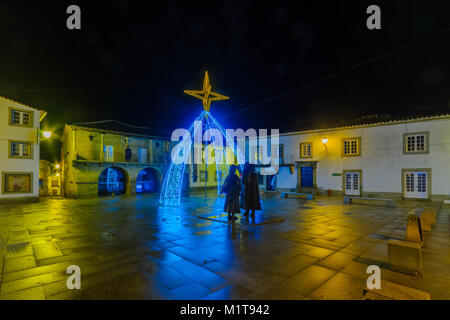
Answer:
(132, 59)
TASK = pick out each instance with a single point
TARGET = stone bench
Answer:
(430, 213)
(394, 291)
(307, 196)
(386, 202)
(428, 218)
(414, 229)
(405, 256)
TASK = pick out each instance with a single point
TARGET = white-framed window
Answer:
(351, 147)
(416, 143)
(20, 149)
(306, 150)
(416, 183)
(20, 117)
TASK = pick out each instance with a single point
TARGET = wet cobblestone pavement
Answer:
(129, 248)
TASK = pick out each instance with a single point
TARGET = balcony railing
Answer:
(119, 157)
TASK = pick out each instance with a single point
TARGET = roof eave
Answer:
(43, 114)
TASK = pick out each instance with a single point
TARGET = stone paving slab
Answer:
(259, 219)
(130, 248)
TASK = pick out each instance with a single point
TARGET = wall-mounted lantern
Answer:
(46, 134)
(325, 141)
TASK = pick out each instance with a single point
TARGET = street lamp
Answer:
(46, 134)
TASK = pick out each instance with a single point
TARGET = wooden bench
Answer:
(307, 196)
(387, 202)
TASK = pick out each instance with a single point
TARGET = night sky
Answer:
(132, 60)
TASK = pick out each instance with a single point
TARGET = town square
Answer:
(238, 152)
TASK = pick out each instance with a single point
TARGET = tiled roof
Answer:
(372, 124)
(115, 126)
(42, 112)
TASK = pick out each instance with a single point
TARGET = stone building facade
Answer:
(404, 159)
(112, 158)
(20, 147)
(401, 159)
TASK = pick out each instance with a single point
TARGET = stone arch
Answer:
(113, 180)
(149, 180)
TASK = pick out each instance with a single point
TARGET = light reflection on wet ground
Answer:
(129, 248)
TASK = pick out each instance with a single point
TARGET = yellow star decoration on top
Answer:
(206, 95)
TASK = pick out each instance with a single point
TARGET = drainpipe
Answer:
(101, 148)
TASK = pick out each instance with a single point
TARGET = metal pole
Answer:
(206, 166)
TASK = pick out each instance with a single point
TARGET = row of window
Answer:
(19, 182)
(414, 143)
(20, 149)
(141, 157)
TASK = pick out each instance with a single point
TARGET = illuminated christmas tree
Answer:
(173, 181)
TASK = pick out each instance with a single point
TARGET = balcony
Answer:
(119, 157)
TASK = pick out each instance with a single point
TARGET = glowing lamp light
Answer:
(57, 174)
(57, 166)
(324, 140)
(47, 134)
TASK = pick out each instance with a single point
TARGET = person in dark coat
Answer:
(128, 153)
(232, 187)
(243, 176)
(251, 197)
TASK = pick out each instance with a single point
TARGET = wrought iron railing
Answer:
(120, 157)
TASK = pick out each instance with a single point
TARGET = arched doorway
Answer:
(112, 181)
(148, 181)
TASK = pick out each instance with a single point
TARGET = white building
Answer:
(407, 159)
(19, 155)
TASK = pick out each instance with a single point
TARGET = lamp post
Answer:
(46, 134)
(206, 166)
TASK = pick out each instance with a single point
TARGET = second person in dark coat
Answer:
(251, 197)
